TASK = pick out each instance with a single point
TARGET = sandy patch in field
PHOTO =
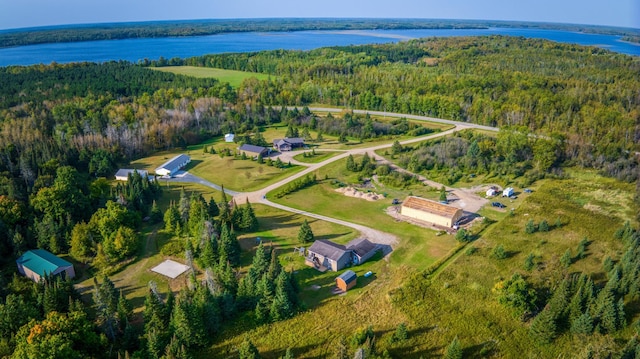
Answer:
(352, 192)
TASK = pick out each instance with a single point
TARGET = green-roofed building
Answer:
(37, 263)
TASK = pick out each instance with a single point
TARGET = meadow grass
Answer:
(233, 77)
(459, 301)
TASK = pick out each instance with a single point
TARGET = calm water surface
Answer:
(138, 49)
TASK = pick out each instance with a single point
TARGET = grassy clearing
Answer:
(311, 158)
(235, 174)
(418, 247)
(459, 302)
(233, 77)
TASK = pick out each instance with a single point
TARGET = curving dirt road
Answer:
(466, 200)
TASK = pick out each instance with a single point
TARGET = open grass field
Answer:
(233, 77)
(459, 302)
(234, 174)
(418, 247)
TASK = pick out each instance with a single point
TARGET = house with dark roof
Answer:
(361, 250)
(326, 255)
(174, 165)
(287, 143)
(254, 151)
(38, 263)
(123, 174)
(347, 280)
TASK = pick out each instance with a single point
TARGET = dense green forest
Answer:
(111, 31)
(66, 127)
(583, 97)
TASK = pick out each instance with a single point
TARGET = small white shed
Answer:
(229, 137)
(508, 192)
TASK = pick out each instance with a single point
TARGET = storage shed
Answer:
(347, 280)
(491, 192)
(123, 174)
(229, 137)
(430, 211)
(38, 263)
(174, 165)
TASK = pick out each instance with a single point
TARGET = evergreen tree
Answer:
(260, 260)
(499, 252)
(288, 354)
(582, 324)
(106, 296)
(213, 208)
(229, 248)
(176, 350)
(400, 333)
(208, 256)
(454, 350)
(172, 218)
(155, 216)
(183, 206)
(530, 227)
(529, 262)
(351, 164)
(248, 351)
(543, 226)
(225, 211)
(543, 328)
(249, 221)
(396, 148)
(305, 235)
(274, 266)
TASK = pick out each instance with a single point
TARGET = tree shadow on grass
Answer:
(192, 164)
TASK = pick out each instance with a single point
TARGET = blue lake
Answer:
(138, 49)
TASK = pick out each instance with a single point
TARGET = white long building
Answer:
(174, 165)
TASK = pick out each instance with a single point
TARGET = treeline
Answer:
(73, 33)
(113, 31)
(511, 153)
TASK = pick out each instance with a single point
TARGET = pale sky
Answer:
(32, 13)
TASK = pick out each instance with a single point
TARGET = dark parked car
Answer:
(498, 204)
(395, 201)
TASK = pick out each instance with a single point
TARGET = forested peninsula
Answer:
(113, 31)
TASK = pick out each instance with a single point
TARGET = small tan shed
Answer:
(430, 211)
(347, 280)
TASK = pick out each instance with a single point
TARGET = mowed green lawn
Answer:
(234, 174)
(233, 77)
(417, 247)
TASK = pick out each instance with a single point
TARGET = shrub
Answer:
(499, 252)
(530, 227)
(543, 226)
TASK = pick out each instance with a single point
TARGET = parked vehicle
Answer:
(498, 204)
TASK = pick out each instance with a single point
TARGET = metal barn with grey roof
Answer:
(172, 166)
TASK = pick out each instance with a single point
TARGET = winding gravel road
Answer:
(465, 198)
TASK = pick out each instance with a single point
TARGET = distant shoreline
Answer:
(157, 29)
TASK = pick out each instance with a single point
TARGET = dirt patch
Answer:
(353, 192)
